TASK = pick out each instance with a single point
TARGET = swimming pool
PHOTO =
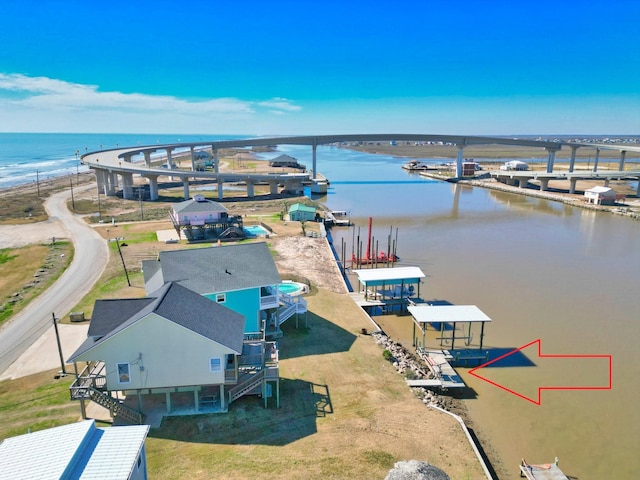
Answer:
(292, 288)
(255, 230)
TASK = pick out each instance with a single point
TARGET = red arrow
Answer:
(541, 355)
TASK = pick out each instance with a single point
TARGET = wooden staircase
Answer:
(115, 406)
(246, 386)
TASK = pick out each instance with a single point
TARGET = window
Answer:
(123, 373)
(221, 297)
(215, 364)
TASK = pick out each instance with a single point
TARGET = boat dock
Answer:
(339, 218)
(438, 363)
(548, 471)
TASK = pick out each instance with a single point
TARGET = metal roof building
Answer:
(76, 451)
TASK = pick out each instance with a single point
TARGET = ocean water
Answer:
(26, 157)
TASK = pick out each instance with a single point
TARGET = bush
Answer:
(386, 354)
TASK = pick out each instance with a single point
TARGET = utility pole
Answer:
(123, 264)
(73, 203)
(140, 198)
(55, 326)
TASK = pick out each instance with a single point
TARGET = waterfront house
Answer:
(75, 451)
(174, 343)
(200, 218)
(285, 161)
(299, 212)
(600, 195)
(242, 277)
(199, 211)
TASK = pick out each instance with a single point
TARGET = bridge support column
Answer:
(169, 158)
(99, 180)
(523, 182)
(623, 154)
(459, 160)
(314, 147)
(220, 190)
(127, 185)
(572, 185)
(606, 182)
(596, 160)
(573, 157)
(216, 166)
(273, 188)
(544, 184)
(638, 189)
(185, 185)
(127, 157)
(193, 159)
(147, 158)
(550, 159)
(111, 184)
(250, 189)
(153, 187)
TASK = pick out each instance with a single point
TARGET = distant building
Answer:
(298, 212)
(515, 165)
(199, 211)
(285, 161)
(601, 196)
(200, 218)
(76, 451)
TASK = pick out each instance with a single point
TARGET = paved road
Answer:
(90, 259)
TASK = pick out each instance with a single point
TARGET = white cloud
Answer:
(280, 104)
(52, 104)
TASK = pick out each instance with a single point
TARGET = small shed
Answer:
(299, 212)
(600, 196)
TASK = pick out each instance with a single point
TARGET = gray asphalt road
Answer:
(90, 259)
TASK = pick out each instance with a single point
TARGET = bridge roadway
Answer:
(109, 164)
(522, 177)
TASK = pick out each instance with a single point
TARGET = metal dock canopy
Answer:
(386, 278)
(424, 315)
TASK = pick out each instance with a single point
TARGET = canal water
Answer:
(540, 270)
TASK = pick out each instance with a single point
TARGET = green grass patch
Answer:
(35, 403)
(6, 255)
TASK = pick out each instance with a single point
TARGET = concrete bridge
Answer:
(114, 163)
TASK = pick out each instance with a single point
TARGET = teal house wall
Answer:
(245, 302)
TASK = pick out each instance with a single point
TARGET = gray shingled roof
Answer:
(109, 314)
(219, 269)
(193, 206)
(179, 305)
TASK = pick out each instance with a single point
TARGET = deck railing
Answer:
(92, 377)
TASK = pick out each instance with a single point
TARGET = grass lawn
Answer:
(28, 271)
(345, 413)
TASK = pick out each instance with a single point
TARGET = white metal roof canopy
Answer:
(395, 274)
(443, 314)
(447, 313)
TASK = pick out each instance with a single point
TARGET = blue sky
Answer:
(318, 67)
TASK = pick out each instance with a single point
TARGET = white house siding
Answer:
(170, 355)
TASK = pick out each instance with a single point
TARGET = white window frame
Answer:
(212, 367)
(118, 373)
(221, 297)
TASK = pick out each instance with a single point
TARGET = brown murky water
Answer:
(540, 270)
